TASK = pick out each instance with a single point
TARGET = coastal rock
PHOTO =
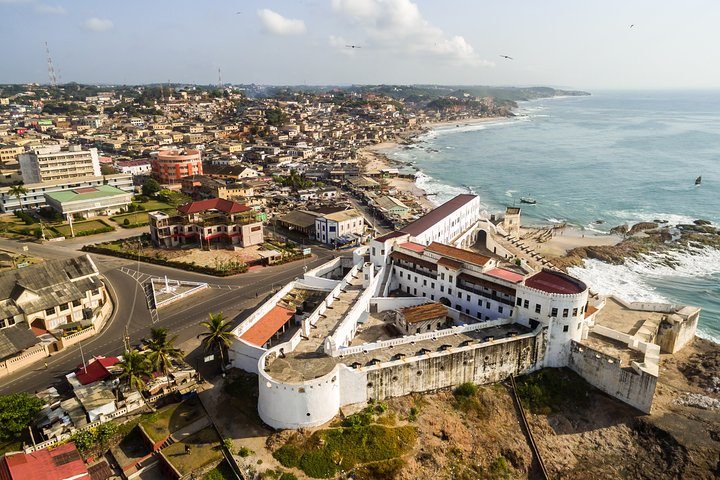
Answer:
(702, 222)
(620, 229)
(642, 226)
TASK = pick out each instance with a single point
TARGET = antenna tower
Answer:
(51, 69)
(220, 84)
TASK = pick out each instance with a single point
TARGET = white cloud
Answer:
(397, 26)
(43, 9)
(279, 25)
(98, 24)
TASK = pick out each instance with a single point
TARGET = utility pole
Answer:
(69, 219)
(126, 339)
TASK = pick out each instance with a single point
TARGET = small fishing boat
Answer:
(528, 200)
(698, 180)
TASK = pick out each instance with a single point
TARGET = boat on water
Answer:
(528, 200)
(698, 180)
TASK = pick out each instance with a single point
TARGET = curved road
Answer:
(232, 296)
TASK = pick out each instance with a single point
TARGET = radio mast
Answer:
(51, 69)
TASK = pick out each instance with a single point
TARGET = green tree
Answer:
(275, 117)
(16, 412)
(134, 369)
(218, 336)
(17, 191)
(150, 187)
(162, 350)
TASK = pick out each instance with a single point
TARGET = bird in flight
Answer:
(507, 56)
(353, 46)
(631, 26)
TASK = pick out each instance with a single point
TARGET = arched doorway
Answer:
(445, 301)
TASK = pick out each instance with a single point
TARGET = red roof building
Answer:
(219, 204)
(96, 370)
(267, 326)
(555, 282)
(61, 463)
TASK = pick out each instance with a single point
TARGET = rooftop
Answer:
(47, 464)
(505, 275)
(267, 326)
(86, 193)
(458, 253)
(431, 218)
(555, 282)
(421, 313)
(226, 206)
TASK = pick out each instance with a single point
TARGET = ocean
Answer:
(596, 162)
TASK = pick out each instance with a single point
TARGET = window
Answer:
(480, 302)
(565, 312)
(442, 276)
(526, 304)
(407, 289)
(416, 279)
(582, 309)
(401, 274)
(432, 285)
(432, 297)
(64, 306)
(255, 229)
(382, 252)
(50, 311)
(467, 297)
(467, 310)
(414, 291)
(374, 253)
(500, 309)
(519, 302)
(449, 291)
(442, 288)
(450, 278)
(424, 283)
(575, 312)
(537, 308)
(487, 304)
(458, 307)
(578, 326)
(565, 328)
(553, 312)
(459, 294)
(96, 291)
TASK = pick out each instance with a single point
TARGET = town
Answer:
(185, 265)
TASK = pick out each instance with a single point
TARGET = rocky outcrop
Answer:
(641, 227)
(620, 229)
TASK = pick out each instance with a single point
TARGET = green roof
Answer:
(86, 193)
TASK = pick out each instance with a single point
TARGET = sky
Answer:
(588, 44)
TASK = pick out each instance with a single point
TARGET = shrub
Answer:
(288, 455)
(245, 452)
(319, 464)
(228, 443)
(413, 414)
(467, 389)
(126, 222)
(25, 217)
(500, 468)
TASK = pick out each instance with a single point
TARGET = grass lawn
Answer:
(152, 205)
(134, 218)
(204, 448)
(170, 419)
(78, 227)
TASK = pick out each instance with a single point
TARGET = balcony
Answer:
(424, 273)
(477, 291)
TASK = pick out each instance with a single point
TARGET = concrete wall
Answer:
(675, 333)
(485, 363)
(605, 373)
(245, 356)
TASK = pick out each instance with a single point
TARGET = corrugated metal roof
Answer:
(421, 313)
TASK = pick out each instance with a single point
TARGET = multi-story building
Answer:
(51, 163)
(88, 202)
(207, 222)
(135, 167)
(35, 196)
(339, 228)
(10, 152)
(171, 165)
(52, 294)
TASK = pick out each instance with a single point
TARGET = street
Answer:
(232, 296)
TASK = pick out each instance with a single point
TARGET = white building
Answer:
(346, 226)
(51, 163)
(134, 167)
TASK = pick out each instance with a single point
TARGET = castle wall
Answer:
(487, 363)
(604, 372)
(675, 334)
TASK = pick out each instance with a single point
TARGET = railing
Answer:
(415, 270)
(476, 291)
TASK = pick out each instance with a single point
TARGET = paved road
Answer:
(233, 296)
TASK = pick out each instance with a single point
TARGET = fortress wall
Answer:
(486, 363)
(605, 373)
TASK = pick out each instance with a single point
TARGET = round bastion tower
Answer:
(558, 301)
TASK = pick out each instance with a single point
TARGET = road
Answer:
(233, 296)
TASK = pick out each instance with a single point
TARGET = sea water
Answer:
(596, 162)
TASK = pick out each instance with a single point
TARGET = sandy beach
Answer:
(565, 239)
(464, 122)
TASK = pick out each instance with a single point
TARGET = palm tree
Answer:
(218, 336)
(17, 191)
(162, 350)
(134, 369)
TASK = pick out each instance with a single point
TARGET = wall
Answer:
(675, 333)
(605, 373)
(262, 310)
(480, 363)
(245, 356)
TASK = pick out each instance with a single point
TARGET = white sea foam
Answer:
(509, 193)
(635, 217)
(438, 192)
(554, 220)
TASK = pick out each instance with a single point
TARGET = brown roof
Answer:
(431, 218)
(512, 210)
(417, 261)
(555, 282)
(446, 262)
(421, 313)
(458, 253)
(227, 206)
(487, 284)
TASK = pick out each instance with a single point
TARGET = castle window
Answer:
(518, 302)
(432, 297)
(442, 288)
(467, 297)
(432, 285)
(449, 291)
(450, 278)
(537, 308)
(575, 311)
(487, 305)
(553, 312)
(500, 309)
(526, 304)
(442, 275)
(401, 274)
(459, 294)
(565, 328)
(565, 312)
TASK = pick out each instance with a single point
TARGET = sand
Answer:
(565, 239)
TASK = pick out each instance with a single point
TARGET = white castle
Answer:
(413, 311)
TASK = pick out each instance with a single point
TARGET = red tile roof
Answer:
(458, 253)
(505, 275)
(227, 206)
(431, 218)
(96, 370)
(555, 282)
(415, 247)
(421, 313)
(60, 463)
(267, 326)
(446, 262)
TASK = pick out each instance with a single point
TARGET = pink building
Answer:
(171, 165)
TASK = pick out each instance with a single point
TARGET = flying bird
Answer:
(507, 56)
(631, 26)
(353, 46)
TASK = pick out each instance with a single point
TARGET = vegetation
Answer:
(162, 350)
(501, 469)
(170, 418)
(222, 472)
(553, 389)
(151, 187)
(295, 181)
(95, 439)
(218, 336)
(16, 412)
(275, 117)
(245, 452)
(327, 451)
(134, 369)
(203, 451)
(278, 474)
(81, 229)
